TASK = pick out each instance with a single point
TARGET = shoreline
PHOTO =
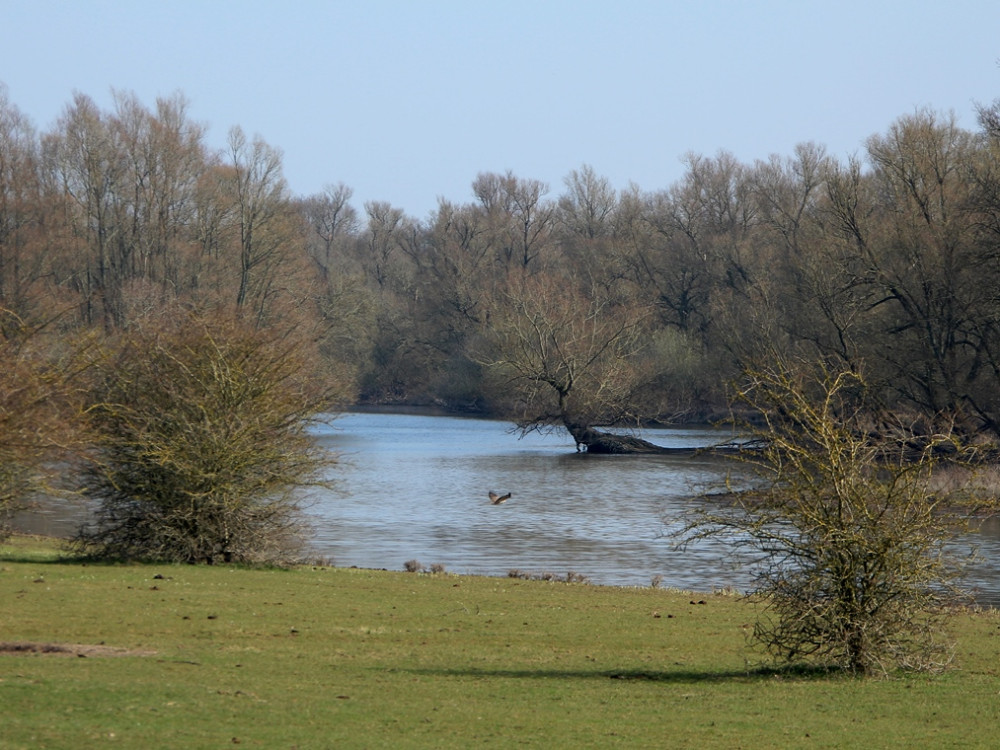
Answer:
(55, 542)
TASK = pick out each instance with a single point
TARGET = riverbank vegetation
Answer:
(171, 315)
(316, 657)
(201, 442)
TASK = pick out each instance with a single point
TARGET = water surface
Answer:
(414, 487)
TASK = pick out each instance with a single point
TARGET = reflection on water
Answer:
(413, 487)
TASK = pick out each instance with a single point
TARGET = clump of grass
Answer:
(725, 591)
(415, 566)
(317, 561)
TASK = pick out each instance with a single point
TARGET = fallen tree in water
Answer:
(596, 441)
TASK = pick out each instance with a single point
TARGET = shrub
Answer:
(202, 442)
(848, 531)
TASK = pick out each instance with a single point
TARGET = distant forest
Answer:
(580, 302)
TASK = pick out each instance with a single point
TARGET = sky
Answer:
(407, 101)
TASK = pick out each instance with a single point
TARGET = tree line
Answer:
(590, 306)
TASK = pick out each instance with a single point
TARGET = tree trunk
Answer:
(597, 441)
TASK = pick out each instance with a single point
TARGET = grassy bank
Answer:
(200, 657)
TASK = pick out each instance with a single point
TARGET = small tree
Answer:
(568, 357)
(202, 443)
(847, 529)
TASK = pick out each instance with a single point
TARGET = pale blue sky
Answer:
(409, 101)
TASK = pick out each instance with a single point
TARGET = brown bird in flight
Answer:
(497, 499)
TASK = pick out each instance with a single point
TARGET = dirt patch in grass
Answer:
(26, 648)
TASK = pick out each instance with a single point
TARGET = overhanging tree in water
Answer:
(569, 352)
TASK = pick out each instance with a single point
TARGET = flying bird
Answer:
(497, 499)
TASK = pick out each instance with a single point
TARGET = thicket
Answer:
(41, 414)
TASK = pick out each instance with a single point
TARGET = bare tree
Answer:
(914, 236)
(520, 219)
(85, 155)
(21, 214)
(458, 266)
(384, 242)
(587, 207)
(263, 215)
(163, 158)
(568, 355)
(671, 263)
(333, 220)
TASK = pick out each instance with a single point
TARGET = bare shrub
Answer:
(202, 441)
(848, 531)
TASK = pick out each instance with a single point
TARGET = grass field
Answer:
(157, 656)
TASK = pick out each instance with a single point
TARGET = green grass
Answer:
(322, 657)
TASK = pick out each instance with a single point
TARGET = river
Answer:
(411, 487)
(414, 487)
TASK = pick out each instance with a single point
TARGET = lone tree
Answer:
(847, 526)
(568, 356)
(202, 442)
